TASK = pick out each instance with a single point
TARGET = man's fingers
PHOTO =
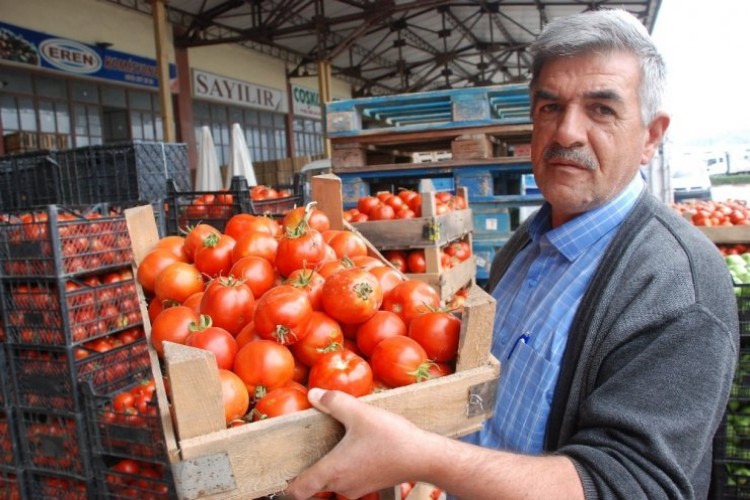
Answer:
(339, 405)
(305, 485)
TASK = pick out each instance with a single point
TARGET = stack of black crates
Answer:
(732, 442)
(71, 320)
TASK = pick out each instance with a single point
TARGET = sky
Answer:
(706, 46)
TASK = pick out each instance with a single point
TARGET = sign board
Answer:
(230, 91)
(306, 102)
(24, 46)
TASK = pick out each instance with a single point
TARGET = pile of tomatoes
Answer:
(407, 204)
(292, 305)
(715, 213)
(130, 478)
(414, 261)
(220, 205)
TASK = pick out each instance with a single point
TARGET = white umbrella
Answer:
(240, 163)
(208, 176)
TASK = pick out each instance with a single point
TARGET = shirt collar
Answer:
(578, 234)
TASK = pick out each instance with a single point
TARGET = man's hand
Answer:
(378, 450)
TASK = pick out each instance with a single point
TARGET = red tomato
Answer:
(229, 303)
(194, 239)
(194, 301)
(173, 325)
(281, 401)
(214, 258)
(240, 224)
(343, 371)
(255, 243)
(415, 262)
(122, 401)
(316, 219)
(411, 298)
(323, 334)
(438, 332)
(302, 248)
(281, 314)
(352, 296)
(311, 283)
(214, 339)
(367, 203)
(382, 325)
(382, 212)
(152, 264)
(256, 272)
(235, 396)
(400, 361)
(348, 244)
(175, 244)
(178, 281)
(387, 277)
(367, 262)
(397, 258)
(264, 365)
(246, 335)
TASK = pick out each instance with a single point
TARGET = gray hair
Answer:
(604, 31)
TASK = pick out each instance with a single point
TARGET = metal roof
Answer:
(386, 46)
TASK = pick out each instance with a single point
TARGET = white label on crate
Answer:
(490, 224)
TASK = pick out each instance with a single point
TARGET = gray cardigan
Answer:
(649, 362)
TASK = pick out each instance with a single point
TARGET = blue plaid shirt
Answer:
(537, 299)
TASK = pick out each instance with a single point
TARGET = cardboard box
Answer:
(257, 459)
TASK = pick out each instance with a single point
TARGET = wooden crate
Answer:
(429, 232)
(18, 142)
(727, 234)
(257, 459)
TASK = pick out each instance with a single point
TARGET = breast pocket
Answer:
(527, 383)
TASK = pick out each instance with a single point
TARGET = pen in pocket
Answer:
(521, 338)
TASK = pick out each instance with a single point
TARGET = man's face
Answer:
(588, 139)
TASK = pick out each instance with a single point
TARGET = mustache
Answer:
(557, 152)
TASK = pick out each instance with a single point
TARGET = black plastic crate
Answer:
(54, 442)
(12, 483)
(122, 171)
(121, 432)
(64, 312)
(742, 291)
(127, 478)
(9, 444)
(185, 209)
(63, 241)
(29, 179)
(51, 377)
(58, 486)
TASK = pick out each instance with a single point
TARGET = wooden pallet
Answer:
(459, 144)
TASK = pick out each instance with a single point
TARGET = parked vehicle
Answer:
(690, 180)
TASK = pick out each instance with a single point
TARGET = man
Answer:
(616, 325)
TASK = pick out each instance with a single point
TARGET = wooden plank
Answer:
(446, 165)
(326, 190)
(476, 329)
(143, 236)
(727, 234)
(390, 136)
(195, 412)
(472, 147)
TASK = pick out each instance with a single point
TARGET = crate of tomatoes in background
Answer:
(722, 221)
(183, 210)
(305, 303)
(426, 235)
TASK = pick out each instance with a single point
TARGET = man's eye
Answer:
(603, 110)
(549, 108)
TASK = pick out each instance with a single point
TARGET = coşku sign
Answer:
(306, 102)
(24, 46)
(228, 90)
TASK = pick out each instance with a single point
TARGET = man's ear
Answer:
(654, 135)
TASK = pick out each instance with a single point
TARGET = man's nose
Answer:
(571, 128)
